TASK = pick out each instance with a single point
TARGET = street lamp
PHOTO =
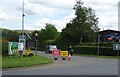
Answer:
(36, 36)
(23, 35)
(98, 39)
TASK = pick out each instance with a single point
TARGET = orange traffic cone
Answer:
(69, 57)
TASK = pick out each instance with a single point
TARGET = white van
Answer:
(49, 48)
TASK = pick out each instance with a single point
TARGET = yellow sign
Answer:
(64, 53)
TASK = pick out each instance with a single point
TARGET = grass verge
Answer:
(0, 62)
(24, 62)
(111, 57)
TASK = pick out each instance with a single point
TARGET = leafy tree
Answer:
(10, 35)
(7, 35)
(47, 34)
(82, 28)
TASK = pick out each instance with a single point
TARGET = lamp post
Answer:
(36, 35)
(23, 36)
(98, 44)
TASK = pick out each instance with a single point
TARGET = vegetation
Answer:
(92, 50)
(101, 44)
(47, 35)
(24, 62)
(82, 28)
(26, 31)
(10, 35)
(4, 47)
(7, 35)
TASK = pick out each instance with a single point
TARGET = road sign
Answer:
(56, 52)
(14, 47)
(64, 53)
(116, 46)
(20, 46)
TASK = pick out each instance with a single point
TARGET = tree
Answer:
(10, 35)
(51, 31)
(82, 28)
(47, 34)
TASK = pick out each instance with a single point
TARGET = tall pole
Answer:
(36, 38)
(23, 39)
(118, 54)
(23, 17)
(36, 48)
(98, 45)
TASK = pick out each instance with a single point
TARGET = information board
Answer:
(14, 47)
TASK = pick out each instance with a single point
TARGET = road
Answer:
(77, 66)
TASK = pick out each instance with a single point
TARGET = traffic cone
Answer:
(69, 57)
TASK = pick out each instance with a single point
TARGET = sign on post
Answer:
(116, 46)
(14, 47)
(20, 46)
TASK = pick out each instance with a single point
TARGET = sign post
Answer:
(98, 51)
(21, 48)
(14, 47)
(117, 48)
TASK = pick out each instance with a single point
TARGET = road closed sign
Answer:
(56, 52)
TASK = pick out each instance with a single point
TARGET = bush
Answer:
(4, 47)
(91, 50)
(103, 51)
(102, 44)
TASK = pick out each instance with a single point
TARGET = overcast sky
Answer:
(57, 12)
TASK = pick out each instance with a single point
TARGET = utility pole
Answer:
(23, 36)
(98, 45)
(23, 17)
(36, 38)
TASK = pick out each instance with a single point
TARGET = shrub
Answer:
(4, 47)
(91, 50)
(103, 51)
(102, 44)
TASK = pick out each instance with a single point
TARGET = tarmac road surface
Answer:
(77, 66)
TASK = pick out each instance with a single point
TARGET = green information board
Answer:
(14, 47)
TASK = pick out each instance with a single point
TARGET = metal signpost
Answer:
(23, 33)
(117, 48)
(22, 39)
(98, 51)
(36, 38)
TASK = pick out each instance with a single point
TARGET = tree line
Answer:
(82, 28)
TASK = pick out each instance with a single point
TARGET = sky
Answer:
(57, 12)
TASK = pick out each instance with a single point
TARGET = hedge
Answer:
(106, 44)
(91, 50)
(4, 47)
(103, 51)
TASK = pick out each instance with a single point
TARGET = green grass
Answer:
(0, 62)
(111, 57)
(24, 62)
